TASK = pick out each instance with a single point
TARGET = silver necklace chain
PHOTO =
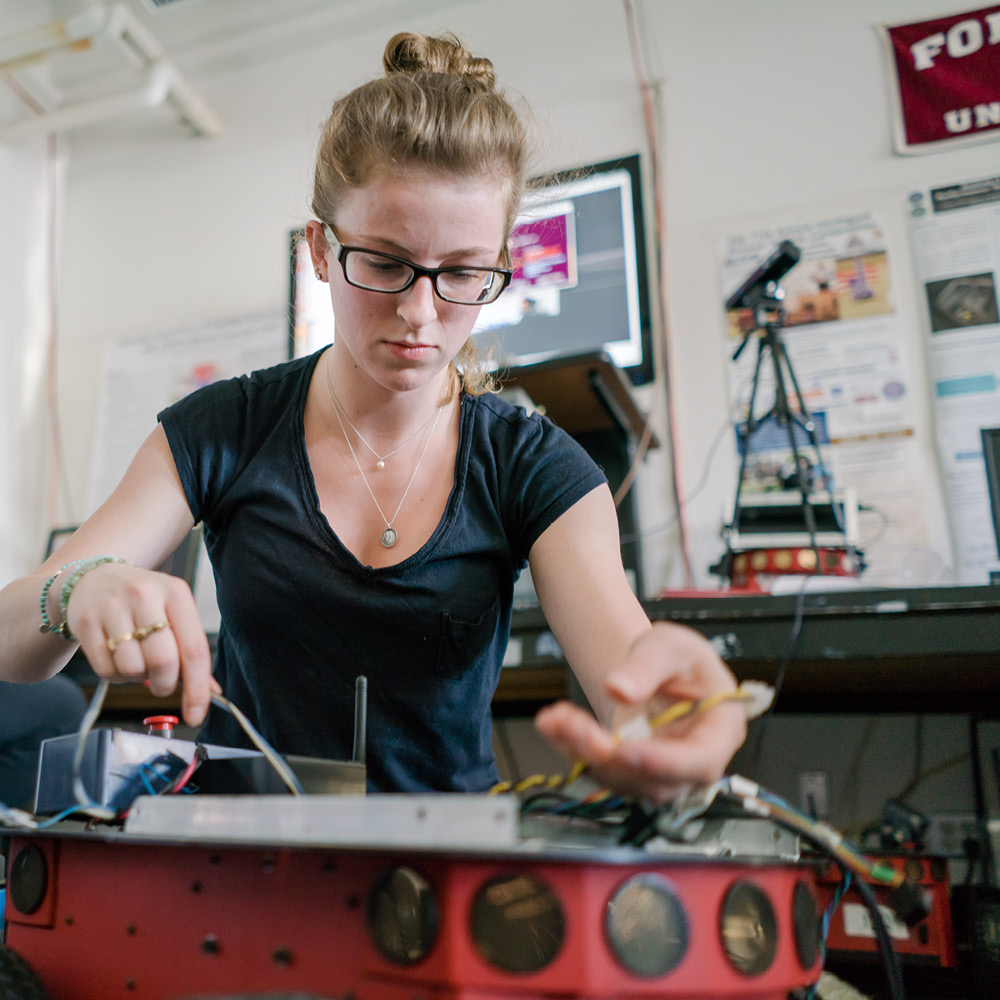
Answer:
(389, 536)
(380, 464)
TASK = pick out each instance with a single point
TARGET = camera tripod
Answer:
(769, 323)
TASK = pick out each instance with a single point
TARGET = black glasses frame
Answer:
(416, 270)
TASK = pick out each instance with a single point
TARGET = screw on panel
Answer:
(210, 945)
(282, 957)
(131, 930)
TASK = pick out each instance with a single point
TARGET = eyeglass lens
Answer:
(467, 285)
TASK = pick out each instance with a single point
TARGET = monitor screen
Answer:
(580, 281)
(990, 437)
(182, 562)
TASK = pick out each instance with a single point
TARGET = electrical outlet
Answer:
(814, 794)
(947, 833)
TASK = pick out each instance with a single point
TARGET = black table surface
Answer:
(924, 649)
(878, 650)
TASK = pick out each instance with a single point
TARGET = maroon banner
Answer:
(948, 76)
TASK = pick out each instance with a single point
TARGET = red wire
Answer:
(186, 776)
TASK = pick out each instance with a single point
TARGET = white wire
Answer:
(80, 793)
(286, 774)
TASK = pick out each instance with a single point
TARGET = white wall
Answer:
(776, 114)
(773, 112)
(25, 452)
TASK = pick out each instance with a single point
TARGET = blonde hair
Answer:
(436, 108)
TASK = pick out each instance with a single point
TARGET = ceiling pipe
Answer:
(158, 82)
(34, 45)
(164, 82)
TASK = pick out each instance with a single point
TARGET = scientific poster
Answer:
(849, 364)
(146, 372)
(956, 249)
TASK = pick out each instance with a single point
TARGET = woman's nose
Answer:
(418, 304)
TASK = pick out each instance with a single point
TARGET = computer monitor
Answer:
(991, 459)
(182, 562)
(580, 281)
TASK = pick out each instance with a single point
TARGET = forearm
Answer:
(27, 654)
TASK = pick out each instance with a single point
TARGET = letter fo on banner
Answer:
(947, 73)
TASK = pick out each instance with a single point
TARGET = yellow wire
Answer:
(676, 711)
(681, 708)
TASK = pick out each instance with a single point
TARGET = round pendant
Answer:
(380, 464)
(389, 537)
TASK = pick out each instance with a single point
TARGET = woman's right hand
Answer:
(112, 602)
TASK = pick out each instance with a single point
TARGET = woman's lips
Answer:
(404, 349)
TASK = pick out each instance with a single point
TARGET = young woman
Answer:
(367, 509)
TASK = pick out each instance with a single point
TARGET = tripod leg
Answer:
(780, 362)
(805, 421)
(749, 426)
(809, 426)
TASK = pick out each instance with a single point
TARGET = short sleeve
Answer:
(541, 472)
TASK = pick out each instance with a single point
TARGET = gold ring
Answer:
(145, 631)
(140, 633)
(114, 643)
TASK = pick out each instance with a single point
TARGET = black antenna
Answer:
(360, 718)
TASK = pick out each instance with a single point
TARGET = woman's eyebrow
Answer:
(401, 251)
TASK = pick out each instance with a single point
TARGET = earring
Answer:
(319, 274)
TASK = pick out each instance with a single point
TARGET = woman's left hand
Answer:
(669, 663)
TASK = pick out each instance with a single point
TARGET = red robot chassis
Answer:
(401, 897)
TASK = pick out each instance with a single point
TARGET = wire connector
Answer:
(756, 697)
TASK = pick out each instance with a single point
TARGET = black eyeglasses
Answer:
(384, 272)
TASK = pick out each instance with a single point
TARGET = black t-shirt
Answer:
(302, 618)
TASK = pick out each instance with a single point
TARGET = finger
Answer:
(106, 646)
(694, 751)
(128, 656)
(161, 659)
(580, 738)
(195, 661)
(575, 732)
(145, 649)
(93, 643)
(697, 750)
(671, 659)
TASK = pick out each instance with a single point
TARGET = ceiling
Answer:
(201, 38)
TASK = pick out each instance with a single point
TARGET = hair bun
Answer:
(407, 52)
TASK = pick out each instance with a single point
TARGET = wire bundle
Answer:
(148, 773)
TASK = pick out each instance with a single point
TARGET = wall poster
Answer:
(845, 345)
(956, 246)
(946, 73)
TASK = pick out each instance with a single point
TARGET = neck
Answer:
(383, 419)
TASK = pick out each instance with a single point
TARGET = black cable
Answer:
(890, 958)
(893, 969)
(779, 677)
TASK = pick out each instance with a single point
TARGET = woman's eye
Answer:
(467, 277)
(383, 266)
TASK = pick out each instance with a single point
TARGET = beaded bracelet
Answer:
(85, 567)
(47, 625)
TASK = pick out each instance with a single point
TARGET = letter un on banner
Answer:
(947, 72)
